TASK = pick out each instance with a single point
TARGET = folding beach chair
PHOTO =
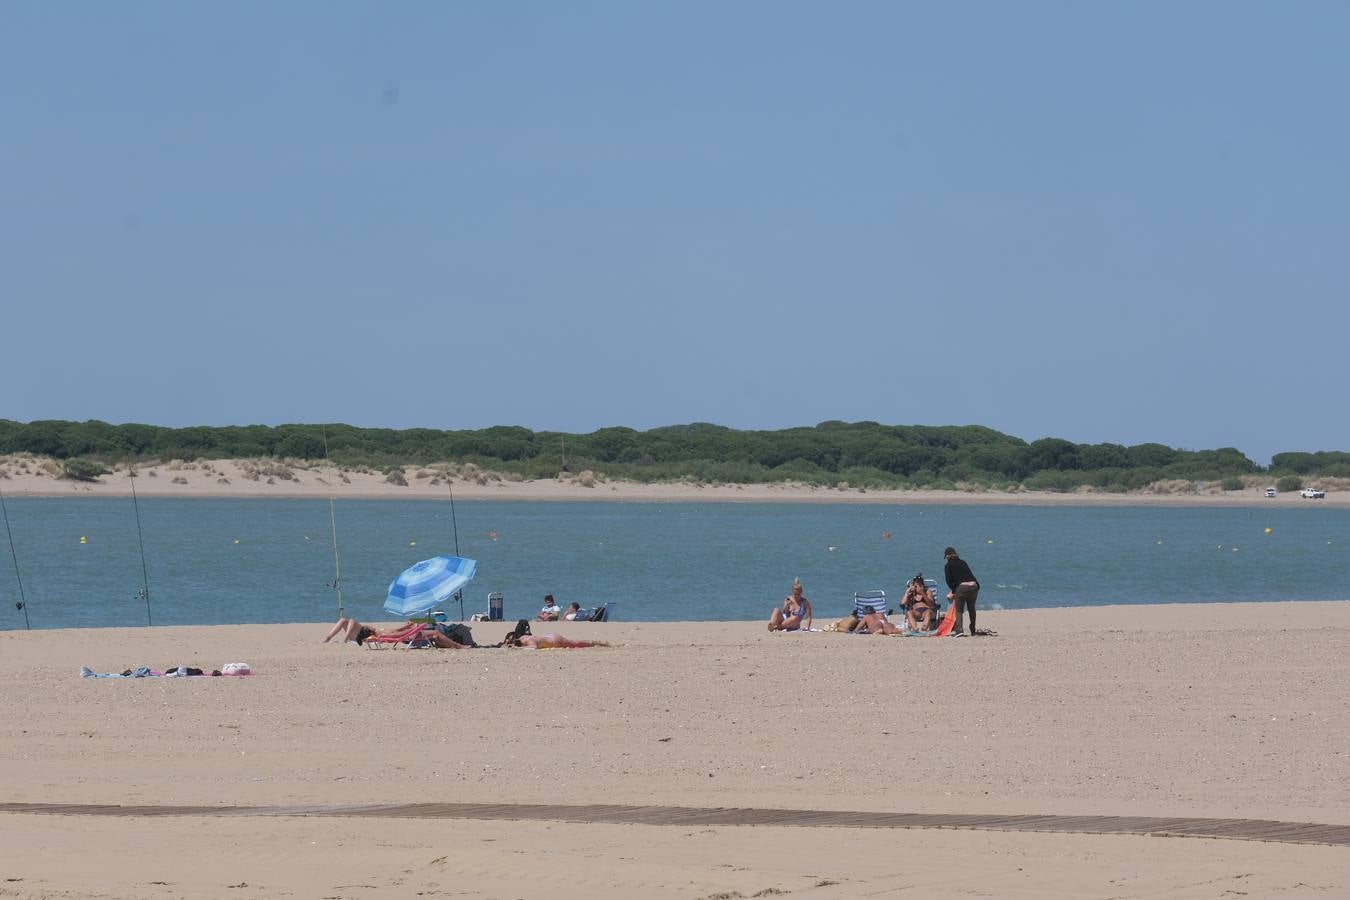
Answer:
(602, 612)
(411, 636)
(865, 602)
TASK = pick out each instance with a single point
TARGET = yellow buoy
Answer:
(83, 539)
(990, 541)
(412, 543)
(1269, 530)
(236, 540)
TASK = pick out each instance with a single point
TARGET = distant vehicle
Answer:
(1271, 492)
(1312, 494)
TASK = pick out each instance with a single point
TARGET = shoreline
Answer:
(246, 480)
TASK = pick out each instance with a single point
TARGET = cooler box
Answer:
(495, 613)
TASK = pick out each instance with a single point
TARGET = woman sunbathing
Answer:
(795, 611)
(356, 633)
(548, 642)
(875, 623)
(919, 604)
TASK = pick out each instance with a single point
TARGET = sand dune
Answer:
(236, 478)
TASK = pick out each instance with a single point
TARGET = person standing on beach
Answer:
(963, 588)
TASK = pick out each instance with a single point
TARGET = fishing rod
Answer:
(23, 601)
(454, 523)
(140, 539)
(336, 583)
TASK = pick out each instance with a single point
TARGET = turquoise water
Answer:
(235, 561)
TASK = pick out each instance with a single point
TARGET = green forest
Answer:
(861, 454)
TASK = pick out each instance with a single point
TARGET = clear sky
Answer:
(1101, 222)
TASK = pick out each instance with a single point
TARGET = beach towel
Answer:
(948, 622)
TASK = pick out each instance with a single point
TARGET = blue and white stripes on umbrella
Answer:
(429, 583)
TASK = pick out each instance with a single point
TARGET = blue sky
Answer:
(1102, 222)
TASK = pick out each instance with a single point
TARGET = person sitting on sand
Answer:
(875, 623)
(919, 604)
(551, 612)
(572, 612)
(356, 633)
(794, 610)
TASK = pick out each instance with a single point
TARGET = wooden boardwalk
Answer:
(1231, 829)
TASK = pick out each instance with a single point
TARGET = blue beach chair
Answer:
(865, 602)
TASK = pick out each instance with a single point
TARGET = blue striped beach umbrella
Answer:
(429, 583)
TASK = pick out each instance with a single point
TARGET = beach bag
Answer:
(459, 633)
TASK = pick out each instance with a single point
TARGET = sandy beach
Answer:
(26, 476)
(1220, 711)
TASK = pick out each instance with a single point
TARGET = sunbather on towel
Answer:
(795, 610)
(875, 623)
(356, 633)
(548, 642)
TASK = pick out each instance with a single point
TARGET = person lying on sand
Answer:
(875, 623)
(547, 642)
(356, 633)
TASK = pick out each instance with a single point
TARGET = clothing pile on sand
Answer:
(235, 668)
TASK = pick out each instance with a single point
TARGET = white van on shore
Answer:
(1271, 492)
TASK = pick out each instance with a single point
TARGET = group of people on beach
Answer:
(552, 612)
(450, 636)
(919, 604)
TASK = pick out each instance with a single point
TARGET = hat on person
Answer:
(950, 551)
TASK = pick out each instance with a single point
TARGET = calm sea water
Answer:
(236, 561)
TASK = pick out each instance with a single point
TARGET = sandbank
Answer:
(223, 479)
(1218, 710)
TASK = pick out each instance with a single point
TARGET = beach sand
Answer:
(20, 476)
(1223, 711)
